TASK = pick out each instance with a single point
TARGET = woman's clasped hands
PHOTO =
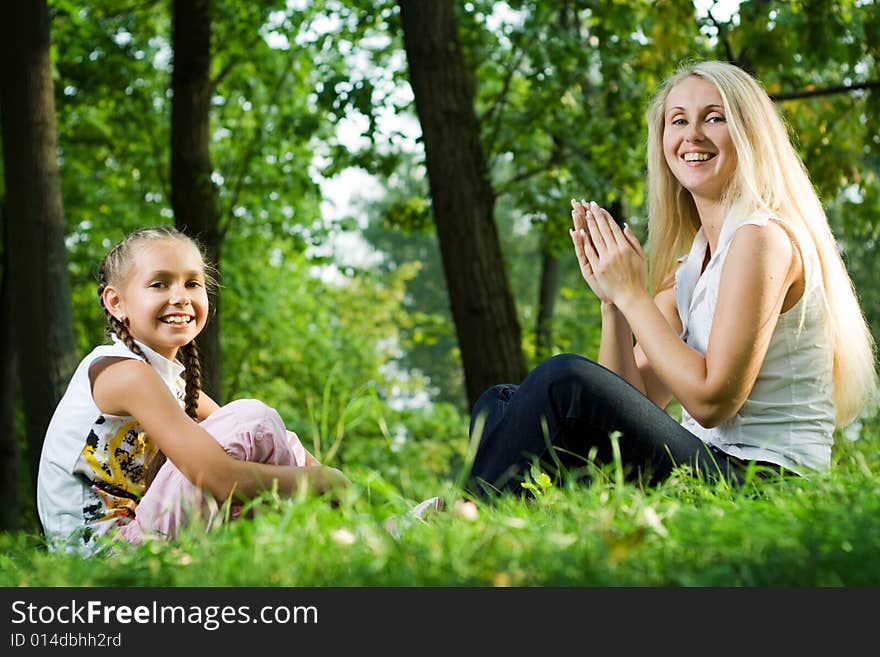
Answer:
(611, 259)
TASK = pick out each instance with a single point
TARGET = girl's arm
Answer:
(762, 266)
(206, 405)
(132, 387)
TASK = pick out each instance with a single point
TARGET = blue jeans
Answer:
(563, 414)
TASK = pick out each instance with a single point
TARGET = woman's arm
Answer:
(655, 389)
(132, 387)
(616, 341)
(762, 265)
(616, 350)
(617, 353)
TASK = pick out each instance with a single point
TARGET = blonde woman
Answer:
(753, 325)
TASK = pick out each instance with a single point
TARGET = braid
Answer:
(192, 374)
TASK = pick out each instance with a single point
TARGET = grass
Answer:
(684, 532)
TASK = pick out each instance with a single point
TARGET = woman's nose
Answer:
(694, 132)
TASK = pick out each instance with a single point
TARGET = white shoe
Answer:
(420, 511)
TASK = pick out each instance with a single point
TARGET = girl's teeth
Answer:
(696, 157)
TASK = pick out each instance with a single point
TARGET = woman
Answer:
(753, 326)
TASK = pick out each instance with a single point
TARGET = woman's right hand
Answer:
(580, 237)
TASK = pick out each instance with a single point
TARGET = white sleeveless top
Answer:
(93, 464)
(788, 418)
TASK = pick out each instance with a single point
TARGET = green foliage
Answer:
(561, 92)
(318, 351)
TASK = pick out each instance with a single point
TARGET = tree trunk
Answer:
(462, 199)
(42, 320)
(10, 511)
(192, 191)
(549, 290)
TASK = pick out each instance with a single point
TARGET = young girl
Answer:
(754, 326)
(132, 404)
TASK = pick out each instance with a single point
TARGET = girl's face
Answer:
(696, 140)
(163, 296)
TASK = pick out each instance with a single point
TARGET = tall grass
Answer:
(773, 531)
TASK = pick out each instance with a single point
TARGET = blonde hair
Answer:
(771, 177)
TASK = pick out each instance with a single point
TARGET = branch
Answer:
(825, 91)
(493, 114)
(559, 148)
(503, 188)
(722, 32)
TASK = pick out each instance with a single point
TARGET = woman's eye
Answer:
(715, 119)
(678, 121)
(157, 284)
(194, 284)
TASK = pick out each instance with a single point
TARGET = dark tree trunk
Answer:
(462, 199)
(42, 321)
(192, 191)
(547, 293)
(10, 510)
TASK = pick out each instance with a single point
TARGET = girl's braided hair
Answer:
(114, 268)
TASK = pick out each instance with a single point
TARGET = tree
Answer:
(462, 199)
(42, 320)
(193, 196)
(9, 450)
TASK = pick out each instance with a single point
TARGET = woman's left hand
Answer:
(615, 256)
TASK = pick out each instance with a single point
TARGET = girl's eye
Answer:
(157, 284)
(194, 284)
(678, 121)
(716, 119)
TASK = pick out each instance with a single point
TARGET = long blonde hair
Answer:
(771, 177)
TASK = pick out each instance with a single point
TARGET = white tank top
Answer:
(93, 464)
(788, 417)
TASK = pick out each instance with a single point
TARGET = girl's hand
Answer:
(615, 257)
(582, 244)
(326, 481)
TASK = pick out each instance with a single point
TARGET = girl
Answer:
(756, 330)
(131, 404)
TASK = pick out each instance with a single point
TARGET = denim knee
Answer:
(490, 400)
(564, 369)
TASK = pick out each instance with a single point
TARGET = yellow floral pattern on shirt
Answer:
(116, 466)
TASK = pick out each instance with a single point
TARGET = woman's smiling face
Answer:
(696, 140)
